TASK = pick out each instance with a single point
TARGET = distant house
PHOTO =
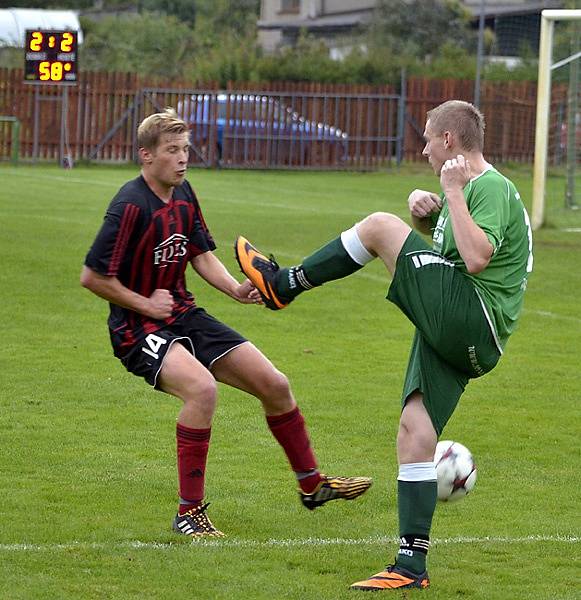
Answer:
(281, 21)
(336, 21)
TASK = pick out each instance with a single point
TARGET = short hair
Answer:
(461, 118)
(153, 127)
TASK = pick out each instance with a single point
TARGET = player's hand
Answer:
(422, 203)
(246, 293)
(455, 173)
(160, 304)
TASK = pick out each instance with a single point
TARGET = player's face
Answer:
(436, 148)
(168, 162)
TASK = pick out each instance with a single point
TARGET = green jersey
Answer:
(496, 207)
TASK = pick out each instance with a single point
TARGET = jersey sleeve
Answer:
(490, 209)
(110, 246)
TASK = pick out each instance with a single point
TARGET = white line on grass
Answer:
(318, 210)
(215, 202)
(283, 543)
(552, 315)
(64, 179)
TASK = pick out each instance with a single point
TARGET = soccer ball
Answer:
(455, 469)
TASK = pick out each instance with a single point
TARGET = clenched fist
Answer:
(422, 203)
(160, 304)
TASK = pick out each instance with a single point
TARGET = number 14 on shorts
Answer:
(152, 345)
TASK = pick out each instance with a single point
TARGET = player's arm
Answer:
(472, 243)
(158, 306)
(210, 268)
(121, 221)
(422, 205)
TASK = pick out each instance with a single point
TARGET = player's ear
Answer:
(145, 156)
(447, 139)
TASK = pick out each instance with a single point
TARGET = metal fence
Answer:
(303, 127)
(269, 125)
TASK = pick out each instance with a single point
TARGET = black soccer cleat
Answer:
(261, 271)
(393, 578)
(196, 523)
(335, 488)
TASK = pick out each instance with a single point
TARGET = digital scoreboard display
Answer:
(50, 57)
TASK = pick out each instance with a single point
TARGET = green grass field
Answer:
(87, 473)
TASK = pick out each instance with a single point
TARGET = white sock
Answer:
(354, 246)
(424, 471)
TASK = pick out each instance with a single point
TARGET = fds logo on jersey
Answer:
(170, 250)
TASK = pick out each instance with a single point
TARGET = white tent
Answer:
(15, 21)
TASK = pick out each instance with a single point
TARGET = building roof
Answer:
(15, 21)
(349, 19)
(500, 8)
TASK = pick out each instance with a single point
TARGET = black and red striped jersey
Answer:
(147, 245)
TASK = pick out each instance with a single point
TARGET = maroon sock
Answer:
(309, 483)
(192, 451)
(183, 508)
(290, 431)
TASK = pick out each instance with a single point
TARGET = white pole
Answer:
(548, 17)
(542, 124)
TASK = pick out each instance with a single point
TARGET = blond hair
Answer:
(153, 127)
(461, 118)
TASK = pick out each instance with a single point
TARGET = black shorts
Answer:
(200, 333)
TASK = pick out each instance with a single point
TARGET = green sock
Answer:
(416, 506)
(325, 264)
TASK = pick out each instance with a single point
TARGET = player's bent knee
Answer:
(416, 440)
(274, 385)
(275, 394)
(381, 220)
(379, 226)
(207, 390)
(202, 395)
(189, 388)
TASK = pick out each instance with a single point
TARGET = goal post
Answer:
(548, 19)
(12, 146)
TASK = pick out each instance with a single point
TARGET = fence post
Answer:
(401, 120)
(15, 140)
(15, 137)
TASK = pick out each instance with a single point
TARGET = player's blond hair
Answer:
(461, 118)
(153, 127)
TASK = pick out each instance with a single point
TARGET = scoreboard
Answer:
(50, 57)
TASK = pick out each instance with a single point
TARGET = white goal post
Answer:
(548, 18)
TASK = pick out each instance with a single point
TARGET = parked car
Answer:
(238, 129)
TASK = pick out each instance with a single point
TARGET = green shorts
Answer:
(453, 341)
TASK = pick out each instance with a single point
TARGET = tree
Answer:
(235, 16)
(148, 44)
(183, 10)
(419, 28)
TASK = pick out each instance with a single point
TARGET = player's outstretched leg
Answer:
(196, 523)
(335, 488)
(279, 286)
(393, 578)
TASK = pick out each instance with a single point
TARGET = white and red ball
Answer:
(455, 469)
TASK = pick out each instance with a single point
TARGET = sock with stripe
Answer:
(417, 495)
(192, 452)
(290, 431)
(339, 258)
(185, 505)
